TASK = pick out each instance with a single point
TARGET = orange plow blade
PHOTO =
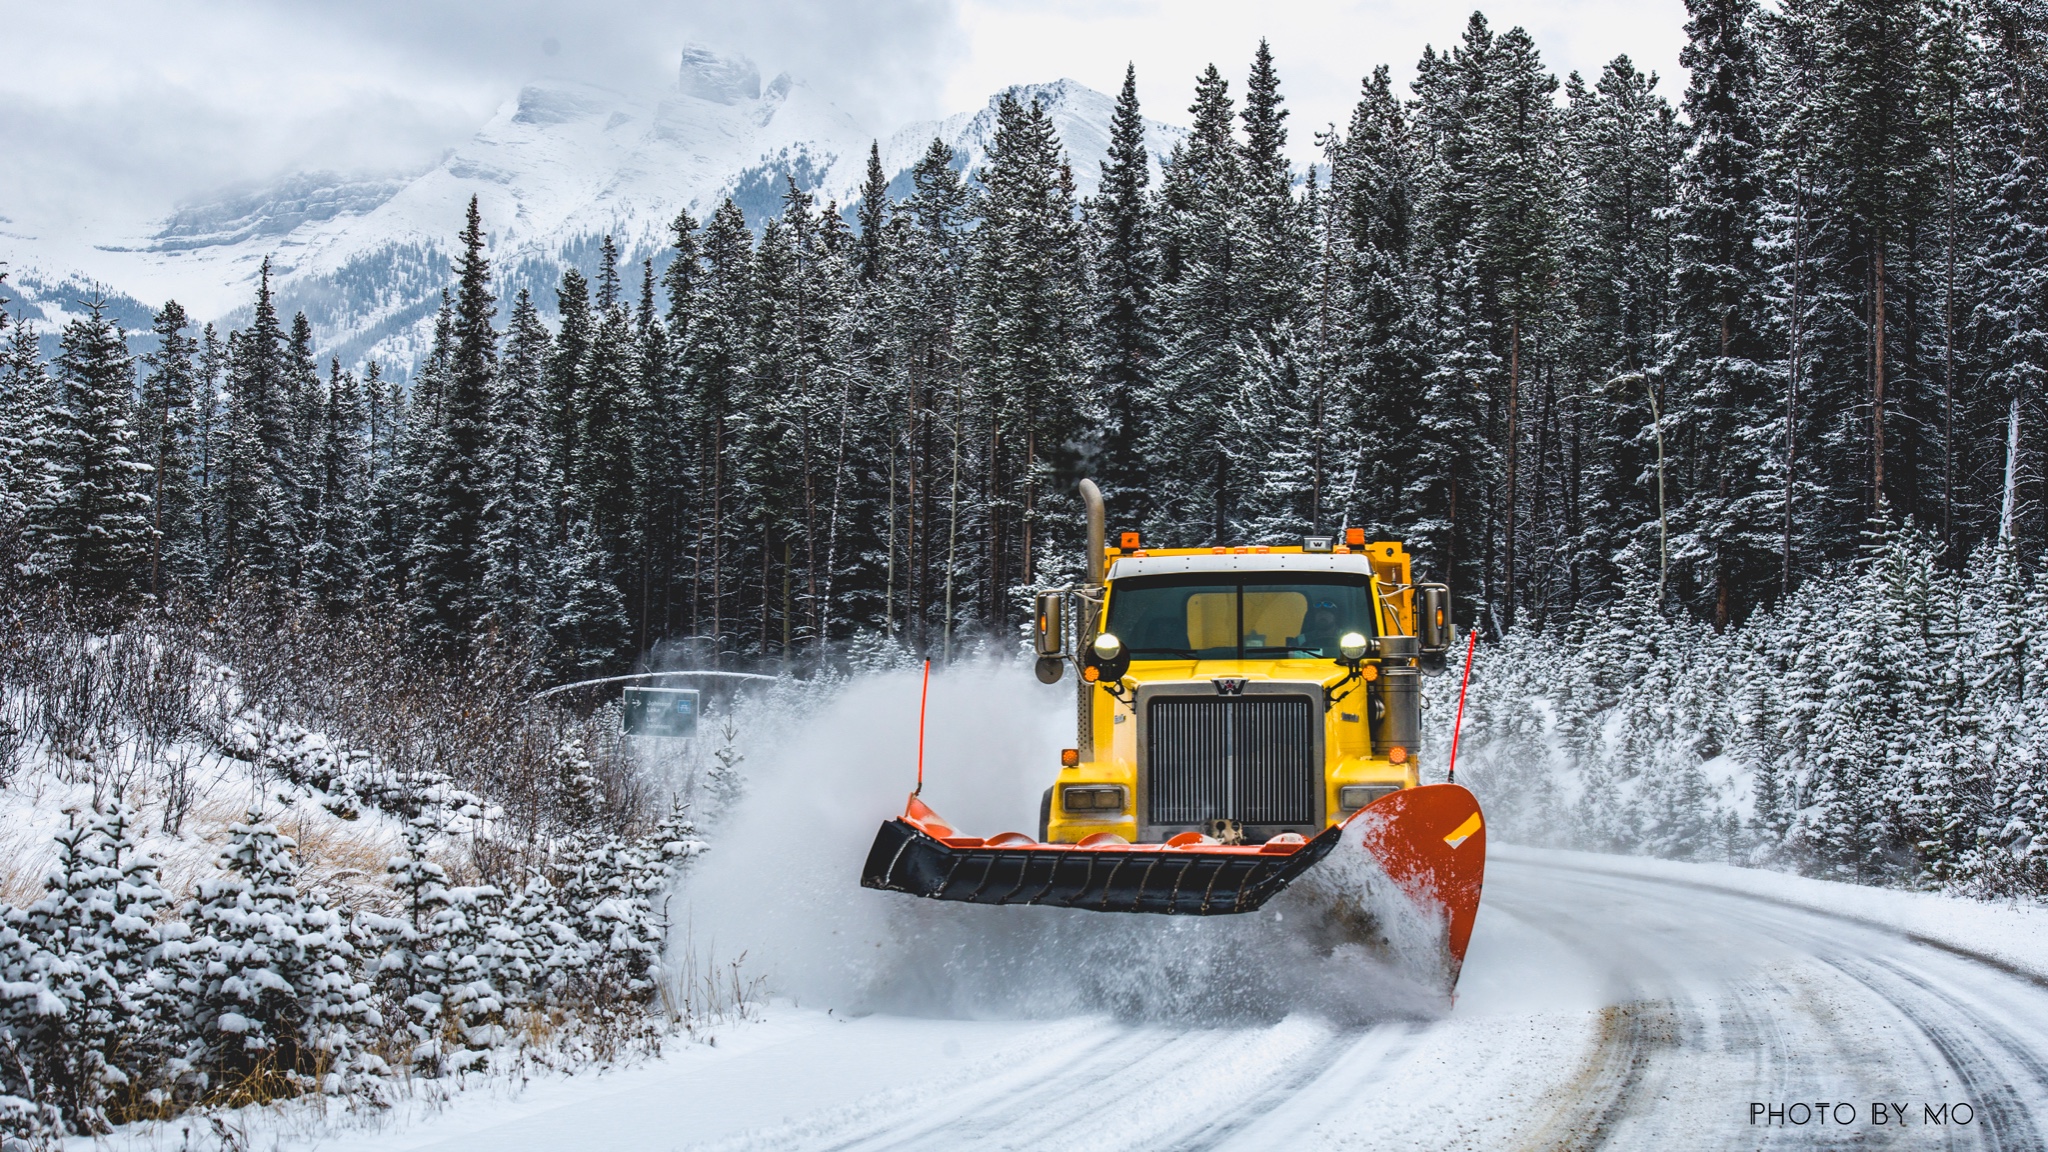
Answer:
(1431, 842)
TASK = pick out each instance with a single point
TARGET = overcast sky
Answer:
(115, 108)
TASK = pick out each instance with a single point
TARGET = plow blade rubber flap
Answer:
(1431, 841)
(1176, 881)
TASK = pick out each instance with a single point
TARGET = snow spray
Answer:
(826, 764)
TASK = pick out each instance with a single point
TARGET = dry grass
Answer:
(25, 855)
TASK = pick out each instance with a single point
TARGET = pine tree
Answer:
(92, 1038)
(586, 619)
(258, 491)
(870, 256)
(1205, 317)
(567, 372)
(1366, 326)
(88, 527)
(1447, 486)
(715, 355)
(1718, 395)
(931, 229)
(1124, 321)
(1515, 245)
(270, 988)
(1024, 336)
(1276, 239)
(660, 482)
(446, 554)
(168, 429)
(390, 519)
(209, 436)
(26, 400)
(1623, 142)
(519, 515)
(2010, 313)
(337, 561)
(601, 467)
(305, 402)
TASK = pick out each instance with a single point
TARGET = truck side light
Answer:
(1070, 757)
(1352, 797)
(1397, 754)
(1092, 798)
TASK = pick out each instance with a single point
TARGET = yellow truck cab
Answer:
(1236, 694)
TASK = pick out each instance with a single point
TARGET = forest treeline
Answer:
(1886, 724)
(1555, 336)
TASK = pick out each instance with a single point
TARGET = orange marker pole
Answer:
(1457, 726)
(925, 693)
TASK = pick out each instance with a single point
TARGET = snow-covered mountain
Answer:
(555, 170)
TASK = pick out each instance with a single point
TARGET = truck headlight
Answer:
(1108, 647)
(1092, 798)
(1352, 797)
(1352, 645)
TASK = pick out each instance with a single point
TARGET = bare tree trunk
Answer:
(824, 613)
(953, 528)
(889, 582)
(1663, 523)
(717, 539)
(1877, 383)
(1948, 368)
(1514, 458)
(2012, 471)
(1030, 462)
(1793, 369)
(995, 520)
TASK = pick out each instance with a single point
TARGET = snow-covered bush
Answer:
(271, 998)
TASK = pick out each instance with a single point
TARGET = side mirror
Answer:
(1433, 619)
(1048, 635)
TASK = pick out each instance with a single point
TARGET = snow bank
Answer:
(2011, 934)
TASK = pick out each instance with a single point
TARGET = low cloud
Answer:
(118, 109)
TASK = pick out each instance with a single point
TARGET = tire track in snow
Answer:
(1950, 1026)
(932, 1105)
(1377, 1046)
(1935, 1014)
(1285, 1116)
(1984, 1082)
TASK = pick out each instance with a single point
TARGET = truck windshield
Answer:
(1218, 616)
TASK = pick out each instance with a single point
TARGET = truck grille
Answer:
(1248, 758)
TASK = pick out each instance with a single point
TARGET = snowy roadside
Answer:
(2013, 934)
(783, 1072)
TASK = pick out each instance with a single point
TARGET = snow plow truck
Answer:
(1243, 712)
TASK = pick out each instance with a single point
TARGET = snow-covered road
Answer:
(1605, 1004)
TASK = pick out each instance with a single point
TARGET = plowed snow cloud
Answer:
(780, 882)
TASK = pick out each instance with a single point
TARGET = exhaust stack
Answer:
(1098, 534)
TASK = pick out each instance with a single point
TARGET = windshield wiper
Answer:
(1184, 653)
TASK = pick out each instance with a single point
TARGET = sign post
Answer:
(663, 712)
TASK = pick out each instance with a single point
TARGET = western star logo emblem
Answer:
(1229, 685)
